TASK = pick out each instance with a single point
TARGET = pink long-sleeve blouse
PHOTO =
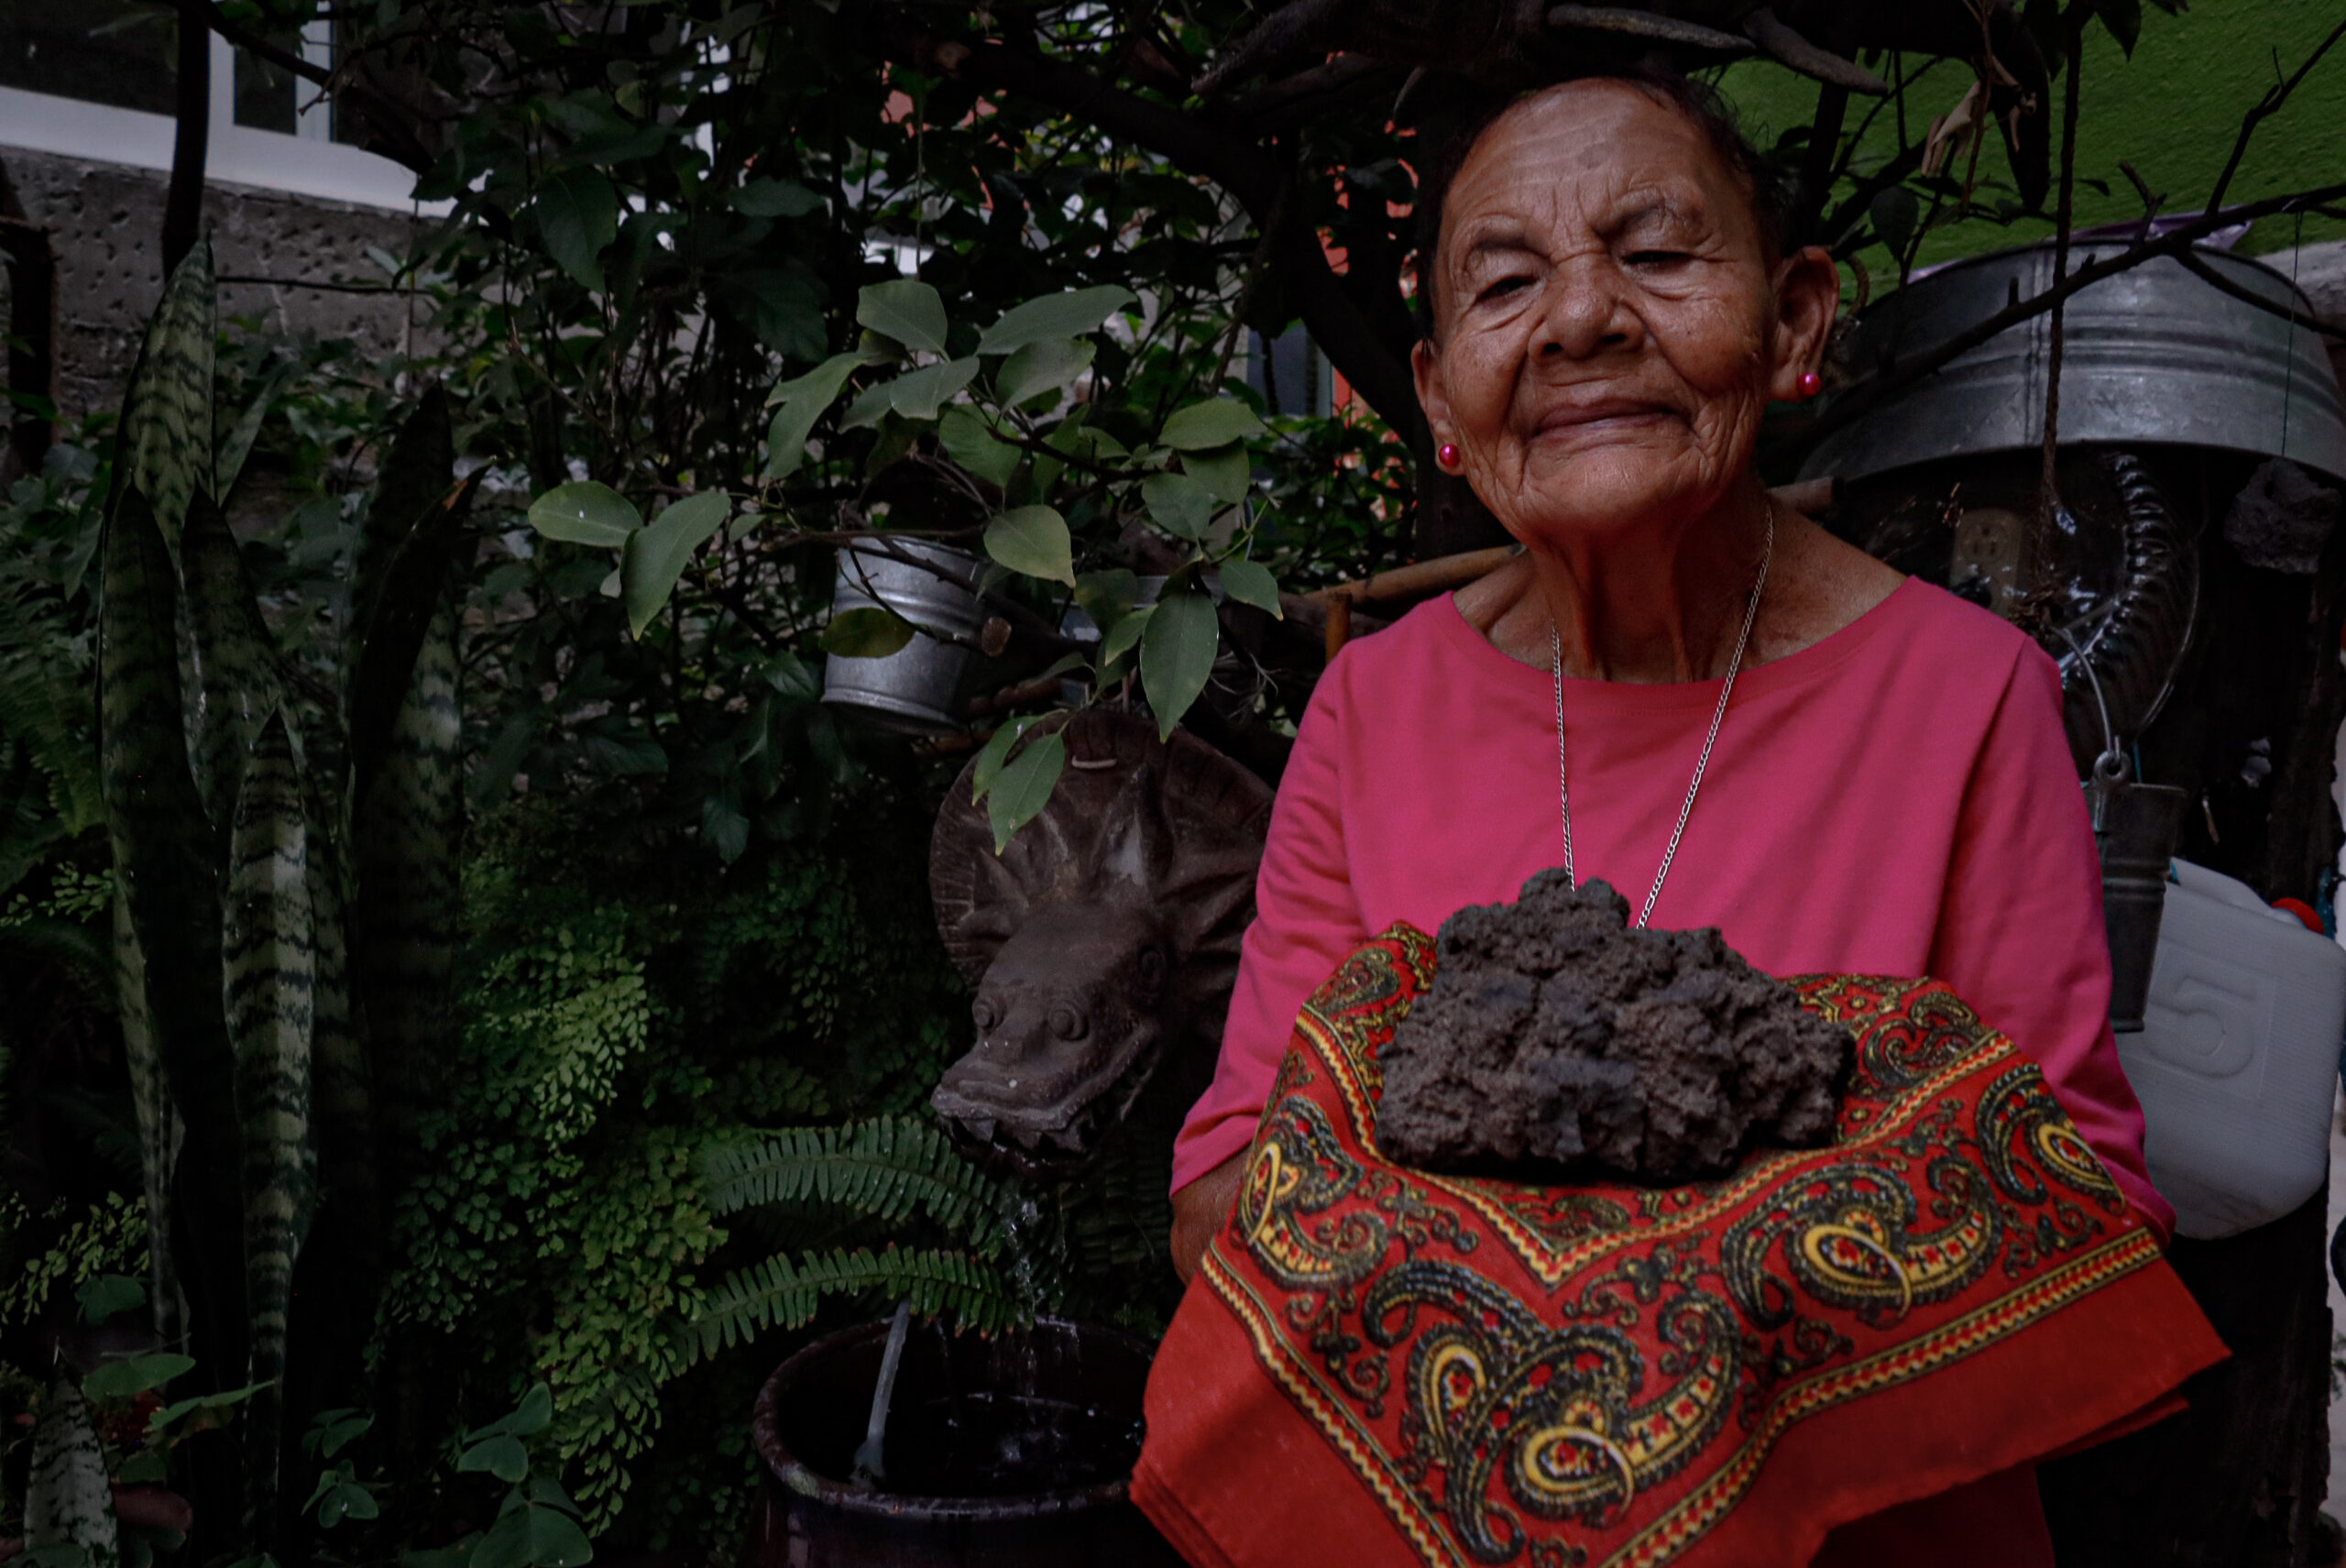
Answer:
(1897, 798)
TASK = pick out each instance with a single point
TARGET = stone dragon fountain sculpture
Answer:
(1103, 941)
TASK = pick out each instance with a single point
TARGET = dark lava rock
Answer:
(1555, 1036)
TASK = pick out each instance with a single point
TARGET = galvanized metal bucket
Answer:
(2152, 353)
(920, 687)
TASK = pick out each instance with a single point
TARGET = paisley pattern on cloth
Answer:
(1377, 1364)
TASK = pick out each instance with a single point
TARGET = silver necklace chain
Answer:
(1718, 716)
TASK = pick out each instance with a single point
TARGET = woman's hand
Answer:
(1199, 1210)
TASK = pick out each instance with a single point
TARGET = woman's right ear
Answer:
(1433, 396)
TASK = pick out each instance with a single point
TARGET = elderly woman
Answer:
(1680, 686)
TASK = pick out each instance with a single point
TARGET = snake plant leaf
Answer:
(403, 926)
(67, 1502)
(164, 445)
(414, 481)
(236, 680)
(170, 880)
(270, 981)
(410, 541)
(341, 1096)
(159, 1133)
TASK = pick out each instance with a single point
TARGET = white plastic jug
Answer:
(2237, 1061)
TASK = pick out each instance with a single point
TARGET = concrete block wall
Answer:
(104, 223)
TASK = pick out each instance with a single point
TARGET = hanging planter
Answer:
(920, 686)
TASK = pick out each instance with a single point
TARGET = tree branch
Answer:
(2223, 285)
(2274, 97)
(1378, 371)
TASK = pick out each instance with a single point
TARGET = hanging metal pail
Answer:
(2135, 828)
(2152, 353)
(920, 687)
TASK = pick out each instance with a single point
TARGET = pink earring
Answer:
(1811, 383)
(1447, 456)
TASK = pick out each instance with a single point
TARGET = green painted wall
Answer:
(2171, 111)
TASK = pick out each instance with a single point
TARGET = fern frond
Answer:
(37, 708)
(778, 1293)
(885, 1168)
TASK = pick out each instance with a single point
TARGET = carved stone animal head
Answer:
(1103, 941)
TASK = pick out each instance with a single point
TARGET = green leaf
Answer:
(160, 1423)
(1122, 637)
(1069, 314)
(905, 309)
(1179, 504)
(791, 678)
(1176, 653)
(1023, 787)
(228, 464)
(532, 1536)
(1050, 365)
(1032, 539)
(502, 1454)
(108, 1295)
(1895, 212)
(970, 441)
(918, 394)
(797, 404)
(2124, 20)
(577, 212)
(586, 511)
(779, 306)
(1202, 426)
(334, 1431)
(656, 556)
(996, 751)
(870, 406)
(774, 199)
(1251, 584)
(872, 633)
(532, 1415)
(135, 1375)
(1224, 471)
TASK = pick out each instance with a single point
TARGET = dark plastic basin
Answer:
(1011, 1452)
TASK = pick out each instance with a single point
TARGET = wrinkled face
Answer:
(1068, 1036)
(1607, 324)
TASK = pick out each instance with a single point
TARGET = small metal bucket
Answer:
(2135, 826)
(919, 688)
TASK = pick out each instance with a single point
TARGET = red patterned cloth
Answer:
(1381, 1365)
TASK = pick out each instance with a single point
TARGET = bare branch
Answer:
(2274, 97)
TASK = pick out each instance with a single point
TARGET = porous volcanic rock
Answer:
(1556, 1036)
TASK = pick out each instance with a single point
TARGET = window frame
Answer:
(304, 163)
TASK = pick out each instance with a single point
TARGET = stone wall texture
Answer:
(104, 223)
